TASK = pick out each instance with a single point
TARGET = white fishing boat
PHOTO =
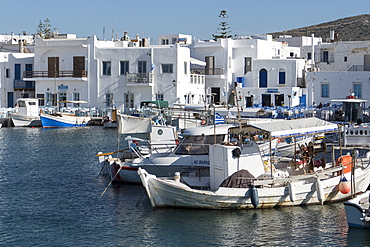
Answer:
(240, 177)
(160, 141)
(358, 211)
(191, 155)
(26, 113)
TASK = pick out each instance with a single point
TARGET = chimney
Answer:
(20, 42)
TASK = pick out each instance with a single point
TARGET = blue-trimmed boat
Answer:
(62, 120)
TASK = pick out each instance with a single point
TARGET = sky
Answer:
(151, 18)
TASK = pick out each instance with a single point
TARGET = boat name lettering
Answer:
(201, 162)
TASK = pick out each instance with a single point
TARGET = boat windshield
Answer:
(198, 145)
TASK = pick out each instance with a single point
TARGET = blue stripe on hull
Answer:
(51, 123)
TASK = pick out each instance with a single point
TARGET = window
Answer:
(345, 59)
(159, 96)
(357, 89)
(191, 79)
(29, 68)
(325, 56)
(174, 40)
(165, 42)
(106, 68)
(124, 67)
(325, 90)
(185, 68)
(41, 98)
(167, 68)
(7, 72)
(281, 77)
(247, 64)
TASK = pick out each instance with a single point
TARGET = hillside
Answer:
(355, 28)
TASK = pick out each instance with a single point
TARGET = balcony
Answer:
(139, 79)
(55, 74)
(23, 85)
(207, 71)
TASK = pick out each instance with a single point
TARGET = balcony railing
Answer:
(357, 68)
(139, 78)
(54, 74)
(207, 71)
(20, 84)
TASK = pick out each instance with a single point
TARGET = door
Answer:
(78, 66)
(129, 102)
(210, 65)
(266, 99)
(10, 99)
(141, 67)
(53, 66)
(279, 99)
(263, 78)
(17, 71)
(215, 91)
(248, 101)
(302, 100)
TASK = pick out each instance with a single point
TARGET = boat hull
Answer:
(355, 211)
(169, 193)
(25, 121)
(63, 121)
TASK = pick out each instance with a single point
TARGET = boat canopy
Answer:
(133, 125)
(158, 103)
(296, 127)
(209, 130)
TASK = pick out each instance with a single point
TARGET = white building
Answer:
(341, 68)
(120, 73)
(267, 72)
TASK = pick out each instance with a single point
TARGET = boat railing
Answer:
(319, 174)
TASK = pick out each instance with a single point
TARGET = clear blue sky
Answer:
(151, 18)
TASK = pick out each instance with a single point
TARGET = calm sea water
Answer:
(50, 196)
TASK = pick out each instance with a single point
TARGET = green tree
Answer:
(222, 30)
(45, 30)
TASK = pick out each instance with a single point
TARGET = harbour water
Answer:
(50, 195)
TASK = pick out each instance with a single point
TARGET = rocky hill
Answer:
(355, 28)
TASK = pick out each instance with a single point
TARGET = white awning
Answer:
(197, 62)
(296, 127)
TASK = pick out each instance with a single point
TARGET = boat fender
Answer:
(320, 191)
(344, 185)
(177, 177)
(292, 196)
(253, 193)
(236, 153)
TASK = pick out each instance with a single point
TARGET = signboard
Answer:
(273, 90)
(62, 87)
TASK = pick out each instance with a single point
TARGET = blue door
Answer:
(302, 100)
(10, 99)
(263, 78)
(17, 71)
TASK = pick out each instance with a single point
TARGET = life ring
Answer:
(203, 122)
